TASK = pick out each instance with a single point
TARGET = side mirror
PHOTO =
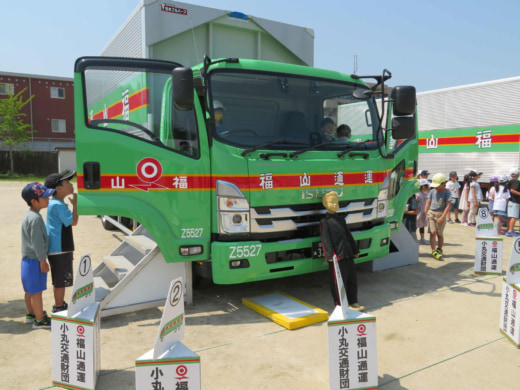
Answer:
(182, 88)
(404, 100)
(403, 127)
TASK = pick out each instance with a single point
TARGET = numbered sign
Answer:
(485, 226)
(513, 269)
(171, 329)
(82, 294)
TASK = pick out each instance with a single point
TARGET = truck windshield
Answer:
(253, 109)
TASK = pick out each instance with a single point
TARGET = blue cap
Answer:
(36, 190)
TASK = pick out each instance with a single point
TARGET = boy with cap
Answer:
(437, 207)
(59, 228)
(34, 254)
(513, 206)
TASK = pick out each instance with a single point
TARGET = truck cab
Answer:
(225, 163)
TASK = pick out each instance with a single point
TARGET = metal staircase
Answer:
(135, 276)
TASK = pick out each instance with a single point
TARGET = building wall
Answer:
(44, 108)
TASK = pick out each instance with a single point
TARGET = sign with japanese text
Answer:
(488, 255)
(352, 351)
(178, 368)
(82, 293)
(485, 226)
(513, 269)
(171, 329)
(510, 312)
(342, 292)
(76, 348)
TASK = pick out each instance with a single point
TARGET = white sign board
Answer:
(178, 368)
(510, 312)
(513, 269)
(352, 351)
(171, 329)
(340, 288)
(82, 294)
(485, 226)
(488, 255)
(76, 348)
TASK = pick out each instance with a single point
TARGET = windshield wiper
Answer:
(314, 147)
(351, 147)
(263, 146)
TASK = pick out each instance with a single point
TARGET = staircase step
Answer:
(101, 289)
(142, 243)
(118, 265)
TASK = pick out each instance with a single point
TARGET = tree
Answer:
(13, 130)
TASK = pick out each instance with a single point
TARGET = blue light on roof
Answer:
(237, 15)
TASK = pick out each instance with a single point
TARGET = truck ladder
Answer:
(135, 276)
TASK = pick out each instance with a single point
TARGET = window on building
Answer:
(57, 93)
(59, 125)
(6, 88)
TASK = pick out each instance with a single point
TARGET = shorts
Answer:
(61, 269)
(454, 204)
(513, 210)
(499, 212)
(435, 227)
(33, 279)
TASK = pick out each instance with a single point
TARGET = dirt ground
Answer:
(437, 323)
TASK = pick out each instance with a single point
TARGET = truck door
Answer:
(140, 157)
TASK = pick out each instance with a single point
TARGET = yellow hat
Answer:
(438, 179)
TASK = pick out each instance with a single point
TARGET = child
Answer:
(463, 202)
(337, 241)
(454, 187)
(343, 133)
(474, 197)
(34, 254)
(493, 180)
(421, 198)
(59, 228)
(437, 207)
(500, 203)
(410, 216)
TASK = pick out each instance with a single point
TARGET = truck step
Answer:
(101, 288)
(142, 243)
(118, 265)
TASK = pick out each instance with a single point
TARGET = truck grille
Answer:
(303, 220)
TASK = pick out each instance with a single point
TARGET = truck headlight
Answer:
(232, 209)
(382, 200)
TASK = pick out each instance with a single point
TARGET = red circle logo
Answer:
(181, 370)
(149, 170)
(80, 329)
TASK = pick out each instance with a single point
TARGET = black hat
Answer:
(54, 179)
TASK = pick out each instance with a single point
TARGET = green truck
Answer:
(239, 196)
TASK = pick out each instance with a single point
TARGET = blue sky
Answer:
(429, 44)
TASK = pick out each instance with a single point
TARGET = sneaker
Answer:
(472, 224)
(55, 309)
(464, 224)
(450, 221)
(516, 234)
(44, 323)
(29, 318)
(509, 234)
(439, 250)
(457, 220)
(436, 255)
(356, 306)
(422, 241)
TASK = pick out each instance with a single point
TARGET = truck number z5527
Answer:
(245, 251)
(192, 233)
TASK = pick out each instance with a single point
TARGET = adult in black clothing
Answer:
(337, 241)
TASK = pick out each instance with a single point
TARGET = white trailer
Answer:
(473, 126)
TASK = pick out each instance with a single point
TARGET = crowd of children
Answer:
(436, 200)
(50, 241)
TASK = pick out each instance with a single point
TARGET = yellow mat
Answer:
(285, 310)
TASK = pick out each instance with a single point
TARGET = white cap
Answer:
(217, 104)
(502, 179)
(424, 182)
(513, 172)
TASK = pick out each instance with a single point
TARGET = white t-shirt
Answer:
(454, 188)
